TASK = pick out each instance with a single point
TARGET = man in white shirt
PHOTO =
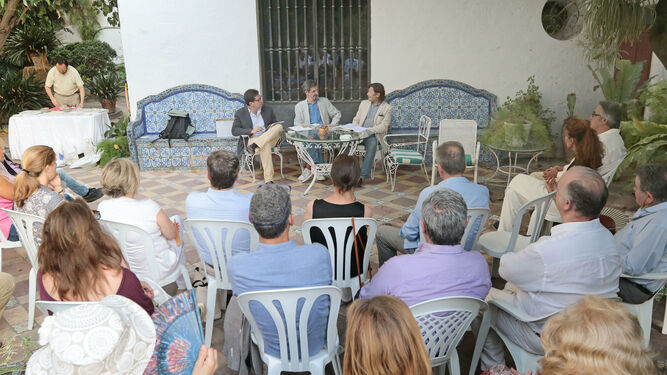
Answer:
(605, 120)
(67, 85)
(579, 258)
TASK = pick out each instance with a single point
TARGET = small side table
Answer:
(512, 165)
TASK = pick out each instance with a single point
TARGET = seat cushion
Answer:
(406, 156)
(495, 243)
(468, 159)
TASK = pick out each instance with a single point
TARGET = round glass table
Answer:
(330, 143)
(529, 148)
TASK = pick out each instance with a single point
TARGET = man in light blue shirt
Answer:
(391, 240)
(221, 201)
(643, 242)
(280, 263)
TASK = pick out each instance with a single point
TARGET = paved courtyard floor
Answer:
(170, 189)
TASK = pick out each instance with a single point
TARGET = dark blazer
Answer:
(243, 124)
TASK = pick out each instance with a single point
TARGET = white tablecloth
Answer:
(63, 131)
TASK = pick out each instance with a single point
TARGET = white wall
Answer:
(491, 45)
(172, 42)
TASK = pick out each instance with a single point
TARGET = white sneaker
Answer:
(305, 175)
(321, 177)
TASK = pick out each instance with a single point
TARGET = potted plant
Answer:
(106, 88)
(115, 143)
(30, 43)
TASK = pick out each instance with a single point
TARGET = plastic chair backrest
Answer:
(58, 306)
(141, 261)
(610, 176)
(24, 224)
(541, 205)
(342, 278)
(294, 354)
(216, 236)
(423, 133)
(462, 131)
(443, 321)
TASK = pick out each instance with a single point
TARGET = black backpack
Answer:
(179, 126)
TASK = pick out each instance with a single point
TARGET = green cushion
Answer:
(406, 156)
(468, 159)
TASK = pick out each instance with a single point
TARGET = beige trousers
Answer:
(71, 100)
(521, 190)
(7, 286)
(264, 143)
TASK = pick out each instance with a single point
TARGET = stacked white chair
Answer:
(216, 236)
(24, 224)
(294, 354)
(442, 322)
(340, 226)
(464, 132)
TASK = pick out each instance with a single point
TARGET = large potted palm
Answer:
(106, 88)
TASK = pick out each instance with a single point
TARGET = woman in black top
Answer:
(345, 174)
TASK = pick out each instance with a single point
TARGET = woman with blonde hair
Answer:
(79, 261)
(383, 338)
(120, 181)
(37, 189)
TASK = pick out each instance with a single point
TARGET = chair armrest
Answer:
(159, 295)
(648, 276)
(434, 151)
(516, 313)
(387, 136)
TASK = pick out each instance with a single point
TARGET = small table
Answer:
(63, 131)
(531, 149)
(329, 142)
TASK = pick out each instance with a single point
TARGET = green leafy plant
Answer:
(654, 97)
(624, 88)
(29, 40)
(91, 58)
(117, 129)
(83, 15)
(18, 94)
(526, 106)
(113, 148)
(645, 141)
(106, 86)
(571, 102)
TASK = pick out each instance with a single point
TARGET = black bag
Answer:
(178, 127)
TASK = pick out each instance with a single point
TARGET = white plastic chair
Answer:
(58, 306)
(644, 311)
(142, 263)
(443, 332)
(609, 177)
(399, 154)
(523, 359)
(342, 278)
(464, 132)
(498, 243)
(7, 244)
(478, 214)
(217, 237)
(294, 354)
(24, 224)
(248, 160)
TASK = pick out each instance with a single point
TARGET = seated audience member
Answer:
(79, 261)
(383, 338)
(440, 267)
(259, 122)
(643, 242)
(374, 114)
(578, 259)
(314, 110)
(7, 286)
(342, 203)
(594, 336)
(451, 165)
(605, 120)
(280, 263)
(118, 338)
(579, 138)
(120, 181)
(38, 189)
(221, 201)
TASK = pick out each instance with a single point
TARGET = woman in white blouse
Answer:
(120, 181)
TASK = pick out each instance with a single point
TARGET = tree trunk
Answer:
(658, 33)
(8, 21)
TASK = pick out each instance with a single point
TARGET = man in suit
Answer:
(257, 121)
(374, 114)
(314, 110)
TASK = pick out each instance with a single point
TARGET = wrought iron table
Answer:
(531, 149)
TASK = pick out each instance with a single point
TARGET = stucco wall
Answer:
(493, 45)
(169, 42)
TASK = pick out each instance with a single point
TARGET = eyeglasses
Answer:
(285, 214)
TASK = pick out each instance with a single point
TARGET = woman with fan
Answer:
(79, 261)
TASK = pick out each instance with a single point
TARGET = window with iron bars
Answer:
(324, 40)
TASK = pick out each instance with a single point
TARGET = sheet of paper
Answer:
(352, 127)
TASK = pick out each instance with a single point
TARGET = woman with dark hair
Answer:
(78, 261)
(345, 175)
